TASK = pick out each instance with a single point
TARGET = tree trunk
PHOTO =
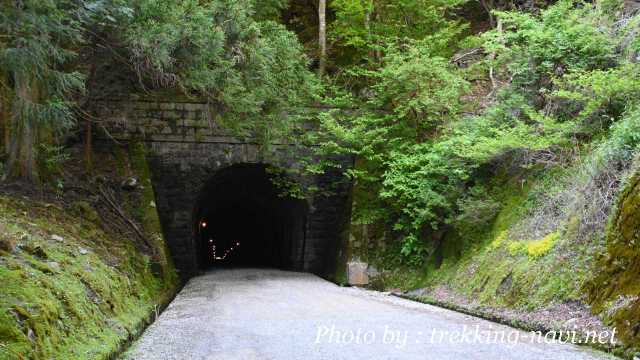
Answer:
(22, 157)
(88, 135)
(367, 26)
(88, 147)
(488, 6)
(376, 19)
(5, 99)
(322, 37)
(4, 124)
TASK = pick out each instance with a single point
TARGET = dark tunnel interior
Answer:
(242, 219)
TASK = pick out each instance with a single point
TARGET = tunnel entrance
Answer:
(243, 219)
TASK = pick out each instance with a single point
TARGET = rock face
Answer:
(129, 184)
(615, 291)
(7, 242)
(357, 274)
(632, 6)
(57, 238)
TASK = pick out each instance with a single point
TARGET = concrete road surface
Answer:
(270, 314)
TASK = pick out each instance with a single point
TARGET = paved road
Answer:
(270, 314)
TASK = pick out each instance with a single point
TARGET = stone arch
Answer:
(185, 148)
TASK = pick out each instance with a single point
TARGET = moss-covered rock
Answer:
(72, 286)
(74, 299)
(615, 291)
(7, 240)
(142, 206)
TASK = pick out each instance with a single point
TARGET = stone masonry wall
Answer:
(186, 148)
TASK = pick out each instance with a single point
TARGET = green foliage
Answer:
(607, 91)
(287, 187)
(566, 37)
(412, 96)
(421, 91)
(268, 9)
(251, 71)
(421, 184)
(423, 181)
(623, 142)
(476, 209)
(363, 28)
(37, 44)
(353, 23)
(413, 250)
(422, 152)
(54, 158)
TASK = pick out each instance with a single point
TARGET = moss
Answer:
(144, 209)
(499, 240)
(60, 302)
(7, 241)
(48, 313)
(615, 290)
(490, 266)
(515, 248)
(538, 248)
(85, 210)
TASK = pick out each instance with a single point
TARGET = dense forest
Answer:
(497, 135)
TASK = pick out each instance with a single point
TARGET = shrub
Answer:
(413, 250)
(538, 248)
(587, 191)
(566, 37)
(476, 209)
(606, 92)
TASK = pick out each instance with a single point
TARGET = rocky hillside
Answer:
(547, 248)
(84, 267)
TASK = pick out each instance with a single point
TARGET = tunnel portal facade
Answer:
(216, 196)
